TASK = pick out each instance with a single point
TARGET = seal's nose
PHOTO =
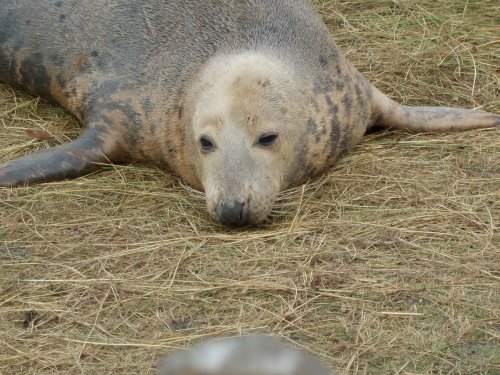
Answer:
(235, 215)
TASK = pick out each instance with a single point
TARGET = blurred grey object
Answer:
(244, 355)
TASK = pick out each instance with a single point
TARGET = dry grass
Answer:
(388, 265)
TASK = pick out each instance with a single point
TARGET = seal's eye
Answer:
(267, 140)
(206, 144)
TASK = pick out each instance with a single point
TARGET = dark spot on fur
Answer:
(143, 156)
(62, 18)
(34, 76)
(320, 135)
(101, 130)
(323, 85)
(81, 62)
(59, 4)
(105, 119)
(180, 110)
(57, 60)
(360, 98)
(314, 102)
(28, 22)
(323, 61)
(347, 102)
(94, 53)
(264, 83)
(332, 108)
(334, 134)
(61, 81)
(132, 122)
(273, 30)
(334, 54)
(311, 126)
(334, 144)
(301, 166)
(162, 163)
(357, 89)
(108, 88)
(147, 106)
(346, 140)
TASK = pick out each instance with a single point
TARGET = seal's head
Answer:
(245, 126)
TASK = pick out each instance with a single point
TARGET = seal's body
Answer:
(244, 355)
(239, 98)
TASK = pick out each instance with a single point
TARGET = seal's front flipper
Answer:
(82, 156)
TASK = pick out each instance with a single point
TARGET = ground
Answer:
(390, 264)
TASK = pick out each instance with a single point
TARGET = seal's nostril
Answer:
(235, 214)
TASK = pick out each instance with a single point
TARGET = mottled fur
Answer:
(149, 78)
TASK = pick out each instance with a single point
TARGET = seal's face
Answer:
(246, 140)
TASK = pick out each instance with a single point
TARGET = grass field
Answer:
(390, 264)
